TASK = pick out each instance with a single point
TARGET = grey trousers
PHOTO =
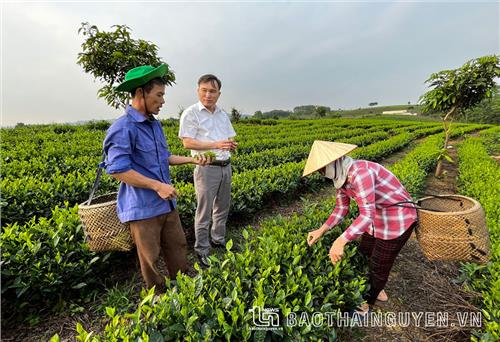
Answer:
(213, 194)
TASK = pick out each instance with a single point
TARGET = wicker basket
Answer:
(453, 227)
(102, 227)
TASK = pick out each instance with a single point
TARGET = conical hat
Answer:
(323, 153)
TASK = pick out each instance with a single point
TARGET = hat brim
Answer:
(140, 81)
(323, 153)
(307, 173)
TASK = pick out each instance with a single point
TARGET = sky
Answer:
(268, 55)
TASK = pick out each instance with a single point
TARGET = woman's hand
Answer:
(337, 250)
(315, 235)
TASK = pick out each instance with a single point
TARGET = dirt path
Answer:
(418, 285)
(395, 157)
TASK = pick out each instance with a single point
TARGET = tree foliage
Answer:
(487, 111)
(276, 114)
(320, 111)
(454, 91)
(235, 115)
(258, 115)
(305, 109)
(308, 110)
(109, 55)
(462, 88)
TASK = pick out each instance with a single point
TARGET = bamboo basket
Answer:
(453, 227)
(103, 229)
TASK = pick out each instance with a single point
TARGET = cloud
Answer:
(268, 55)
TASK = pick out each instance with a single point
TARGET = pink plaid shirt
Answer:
(374, 188)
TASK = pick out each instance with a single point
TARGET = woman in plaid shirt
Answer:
(383, 227)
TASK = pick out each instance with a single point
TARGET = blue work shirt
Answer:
(134, 142)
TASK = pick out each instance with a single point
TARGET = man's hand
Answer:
(226, 145)
(166, 191)
(315, 235)
(337, 250)
(202, 160)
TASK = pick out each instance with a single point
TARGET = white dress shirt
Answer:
(199, 123)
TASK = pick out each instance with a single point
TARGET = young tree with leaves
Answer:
(457, 90)
(109, 55)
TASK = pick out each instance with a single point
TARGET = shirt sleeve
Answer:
(364, 188)
(340, 211)
(118, 149)
(188, 125)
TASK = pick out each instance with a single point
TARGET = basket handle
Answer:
(100, 166)
(97, 179)
(417, 203)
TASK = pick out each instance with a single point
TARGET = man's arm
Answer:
(134, 178)
(179, 160)
(194, 144)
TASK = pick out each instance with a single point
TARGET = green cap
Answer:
(139, 76)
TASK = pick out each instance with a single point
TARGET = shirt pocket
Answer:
(163, 150)
(145, 154)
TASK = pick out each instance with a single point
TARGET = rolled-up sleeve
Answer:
(118, 149)
(364, 188)
(340, 211)
(188, 125)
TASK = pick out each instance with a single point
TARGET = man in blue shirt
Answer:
(137, 155)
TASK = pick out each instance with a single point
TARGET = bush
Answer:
(478, 178)
(47, 261)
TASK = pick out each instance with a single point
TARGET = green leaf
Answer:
(229, 245)
(55, 338)
(307, 299)
(448, 158)
(110, 311)
(79, 286)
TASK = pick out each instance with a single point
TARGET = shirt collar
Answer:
(136, 115)
(202, 107)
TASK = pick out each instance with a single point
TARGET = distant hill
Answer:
(379, 110)
(317, 111)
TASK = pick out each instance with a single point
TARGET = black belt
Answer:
(221, 162)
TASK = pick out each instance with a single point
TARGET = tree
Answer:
(488, 111)
(371, 104)
(320, 111)
(304, 110)
(276, 113)
(457, 90)
(109, 55)
(258, 115)
(235, 115)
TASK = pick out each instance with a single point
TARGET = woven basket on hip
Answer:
(102, 227)
(452, 227)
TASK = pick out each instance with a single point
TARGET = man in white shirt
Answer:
(205, 127)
